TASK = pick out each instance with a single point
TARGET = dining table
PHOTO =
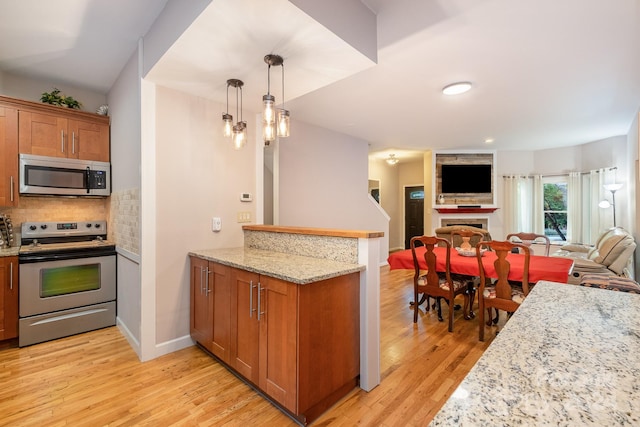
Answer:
(554, 269)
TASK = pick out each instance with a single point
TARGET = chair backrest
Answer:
(466, 238)
(446, 232)
(429, 243)
(528, 239)
(502, 266)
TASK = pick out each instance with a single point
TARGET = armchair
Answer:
(610, 256)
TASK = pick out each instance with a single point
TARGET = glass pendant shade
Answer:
(227, 125)
(269, 132)
(283, 123)
(239, 135)
(268, 112)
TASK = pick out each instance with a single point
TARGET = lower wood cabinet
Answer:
(299, 344)
(8, 297)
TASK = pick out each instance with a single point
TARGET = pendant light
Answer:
(237, 132)
(274, 123)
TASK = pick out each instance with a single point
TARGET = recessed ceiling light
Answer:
(488, 140)
(456, 88)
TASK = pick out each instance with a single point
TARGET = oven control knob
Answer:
(32, 227)
(43, 226)
(88, 225)
(97, 226)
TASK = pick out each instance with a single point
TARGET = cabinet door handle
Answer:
(207, 290)
(11, 189)
(11, 275)
(62, 140)
(260, 289)
(201, 279)
(73, 143)
(251, 288)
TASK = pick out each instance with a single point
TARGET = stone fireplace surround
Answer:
(479, 222)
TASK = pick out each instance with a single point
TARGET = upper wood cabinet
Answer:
(8, 297)
(8, 156)
(48, 130)
(51, 135)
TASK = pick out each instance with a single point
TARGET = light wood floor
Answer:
(96, 379)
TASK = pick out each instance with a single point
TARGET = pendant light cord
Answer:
(283, 86)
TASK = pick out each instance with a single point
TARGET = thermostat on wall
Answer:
(245, 197)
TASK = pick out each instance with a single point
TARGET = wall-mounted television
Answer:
(462, 179)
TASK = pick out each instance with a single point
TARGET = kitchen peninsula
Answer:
(285, 312)
(568, 356)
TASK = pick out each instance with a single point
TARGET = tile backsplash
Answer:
(124, 219)
(36, 208)
(121, 211)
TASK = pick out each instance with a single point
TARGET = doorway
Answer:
(413, 213)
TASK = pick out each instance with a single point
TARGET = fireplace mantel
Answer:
(464, 210)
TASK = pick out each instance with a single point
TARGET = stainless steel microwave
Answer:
(64, 177)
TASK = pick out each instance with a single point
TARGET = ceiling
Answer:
(545, 73)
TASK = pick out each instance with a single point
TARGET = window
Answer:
(555, 208)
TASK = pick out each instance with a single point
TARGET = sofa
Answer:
(610, 256)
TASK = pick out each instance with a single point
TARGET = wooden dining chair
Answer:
(500, 293)
(461, 237)
(528, 239)
(433, 284)
(467, 239)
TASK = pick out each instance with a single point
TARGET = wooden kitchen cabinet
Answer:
(299, 344)
(8, 156)
(8, 297)
(57, 135)
(210, 306)
(264, 334)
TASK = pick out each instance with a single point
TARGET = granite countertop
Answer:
(12, 251)
(569, 356)
(293, 268)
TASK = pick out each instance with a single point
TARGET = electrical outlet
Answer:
(216, 224)
(244, 216)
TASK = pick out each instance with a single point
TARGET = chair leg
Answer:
(415, 306)
(438, 301)
(490, 316)
(451, 314)
(497, 318)
(481, 321)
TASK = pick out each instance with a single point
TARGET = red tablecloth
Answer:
(555, 269)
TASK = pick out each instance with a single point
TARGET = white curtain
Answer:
(575, 231)
(537, 209)
(520, 205)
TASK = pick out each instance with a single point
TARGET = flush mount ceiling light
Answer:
(456, 88)
(392, 160)
(237, 132)
(275, 122)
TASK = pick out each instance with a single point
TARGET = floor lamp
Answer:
(613, 188)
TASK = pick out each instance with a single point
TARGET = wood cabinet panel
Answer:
(218, 285)
(89, 141)
(8, 297)
(244, 324)
(278, 340)
(201, 322)
(8, 156)
(42, 134)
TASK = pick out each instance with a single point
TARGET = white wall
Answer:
(124, 101)
(31, 89)
(199, 176)
(323, 183)
(389, 197)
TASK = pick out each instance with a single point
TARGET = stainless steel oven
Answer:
(67, 280)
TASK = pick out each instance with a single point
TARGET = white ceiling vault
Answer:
(545, 73)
